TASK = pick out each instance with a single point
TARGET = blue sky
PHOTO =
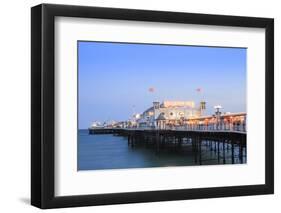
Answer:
(114, 78)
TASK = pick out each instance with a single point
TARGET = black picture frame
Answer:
(43, 102)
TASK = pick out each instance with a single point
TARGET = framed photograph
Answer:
(139, 106)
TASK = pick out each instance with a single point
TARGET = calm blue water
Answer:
(112, 152)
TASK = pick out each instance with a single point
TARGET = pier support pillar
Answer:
(218, 149)
(200, 149)
(240, 152)
(223, 151)
(232, 151)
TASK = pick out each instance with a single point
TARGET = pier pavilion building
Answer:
(184, 115)
(169, 113)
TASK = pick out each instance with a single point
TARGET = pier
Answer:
(218, 141)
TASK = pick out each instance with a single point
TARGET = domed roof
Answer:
(148, 110)
(161, 117)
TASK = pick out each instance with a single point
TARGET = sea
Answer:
(108, 151)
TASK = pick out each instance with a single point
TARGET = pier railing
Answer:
(200, 127)
(239, 128)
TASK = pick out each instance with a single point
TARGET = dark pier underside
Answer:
(218, 141)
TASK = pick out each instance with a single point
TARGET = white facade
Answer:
(169, 111)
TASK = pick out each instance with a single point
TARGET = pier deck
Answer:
(218, 134)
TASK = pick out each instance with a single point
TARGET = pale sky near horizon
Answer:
(114, 78)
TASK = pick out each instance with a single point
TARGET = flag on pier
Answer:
(199, 89)
(151, 89)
